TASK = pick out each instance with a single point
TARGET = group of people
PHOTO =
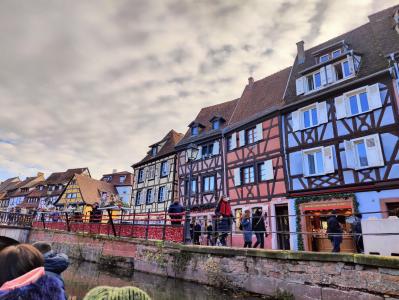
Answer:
(219, 229)
(32, 272)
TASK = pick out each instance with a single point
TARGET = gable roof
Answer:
(27, 183)
(115, 178)
(167, 144)
(223, 110)
(9, 184)
(372, 41)
(64, 177)
(91, 189)
(261, 96)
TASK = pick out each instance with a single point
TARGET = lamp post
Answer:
(191, 154)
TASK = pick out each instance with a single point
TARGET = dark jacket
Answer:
(46, 287)
(258, 223)
(95, 215)
(175, 208)
(333, 226)
(55, 262)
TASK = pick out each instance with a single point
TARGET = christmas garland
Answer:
(203, 206)
(301, 200)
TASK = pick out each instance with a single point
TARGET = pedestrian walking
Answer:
(247, 228)
(175, 212)
(95, 214)
(209, 230)
(224, 214)
(357, 231)
(259, 228)
(196, 233)
(334, 231)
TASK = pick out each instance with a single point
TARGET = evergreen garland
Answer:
(326, 197)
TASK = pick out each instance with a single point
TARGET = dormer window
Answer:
(216, 124)
(154, 151)
(194, 130)
(328, 56)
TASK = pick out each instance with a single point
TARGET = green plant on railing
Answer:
(115, 293)
(301, 200)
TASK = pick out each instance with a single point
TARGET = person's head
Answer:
(247, 213)
(95, 205)
(334, 212)
(358, 215)
(18, 260)
(223, 198)
(108, 292)
(43, 247)
(258, 212)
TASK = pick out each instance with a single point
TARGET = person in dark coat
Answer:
(224, 214)
(357, 231)
(209, 240)
(247, 228)
(23, 276)
(95, 214)
(197, 233)
(176, 208)
(334, 232)
(54, 263)
(259, 228)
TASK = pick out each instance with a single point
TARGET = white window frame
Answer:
(164, 167)
(149, 192)
(249, 175)
(332, 53)
(356, 93)
(140, 175)
(302, 115)
(138, 197)
(306, 161)
(161, 194)
(314, 82)
(210, 179)
(363, 139)
(122, 178)
(341, 63)
(328, 58)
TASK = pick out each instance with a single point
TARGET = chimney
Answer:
(114, 171)
(301, 52)
(250, 81)
(40, 174)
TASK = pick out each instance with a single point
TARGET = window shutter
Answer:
(328, 159)
(323, 76)
(374, 97)
(300, 86)
(374, 153)
(340, 107)
(329, 74)
(259, 132)
(296, 120)
(350, 155)
(215, 150)
(351, 65)
(305, 165)
(322, 112)
(269, 169)
(234, 140)
(242, 138)
(199, 154)
(237, 176)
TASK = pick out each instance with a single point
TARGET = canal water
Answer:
(80, 277)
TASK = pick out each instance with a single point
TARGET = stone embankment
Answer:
(305, 275)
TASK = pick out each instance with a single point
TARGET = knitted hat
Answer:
(115, 293)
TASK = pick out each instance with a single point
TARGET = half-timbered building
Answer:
(207, 182)
(254, 160)
(155, 181)
(341, 129)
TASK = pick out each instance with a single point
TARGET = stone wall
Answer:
(306, 275)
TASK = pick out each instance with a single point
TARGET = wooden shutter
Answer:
(328, 159)
(259, 132)
(215, 149)
(199, 154)
(233, 141)
(323, 76)
(340, 107)
(374, 96)
(269, 169)
(374, 153)
(351, 65)
(350, 155)
(296, 120)
(329, 74)
(305, 164)
(241, 138)
(300, 85)
(322, 115)
(237, 176)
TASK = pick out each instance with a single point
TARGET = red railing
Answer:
(157, 226)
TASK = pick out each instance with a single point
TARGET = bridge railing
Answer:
(15, 219)
(159, 226)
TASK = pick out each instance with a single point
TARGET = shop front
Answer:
(314, 215)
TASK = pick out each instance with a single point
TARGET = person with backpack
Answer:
(224, 216)
(259, 228)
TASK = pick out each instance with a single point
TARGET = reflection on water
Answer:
(81, 277)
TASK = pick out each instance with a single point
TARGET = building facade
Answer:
(123, 182)
(155, 181)
(341, 130)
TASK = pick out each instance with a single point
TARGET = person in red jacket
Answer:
(225, 217)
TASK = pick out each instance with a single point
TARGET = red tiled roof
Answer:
(168, 144)
(9, 184)
(91, 188)
(115, 178)
(64, 177)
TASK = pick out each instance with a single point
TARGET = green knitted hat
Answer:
(116, 293)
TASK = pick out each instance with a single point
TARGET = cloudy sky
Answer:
(93, 83)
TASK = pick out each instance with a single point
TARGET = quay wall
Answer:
(305, 275)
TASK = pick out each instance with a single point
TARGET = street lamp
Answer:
(191, 154)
